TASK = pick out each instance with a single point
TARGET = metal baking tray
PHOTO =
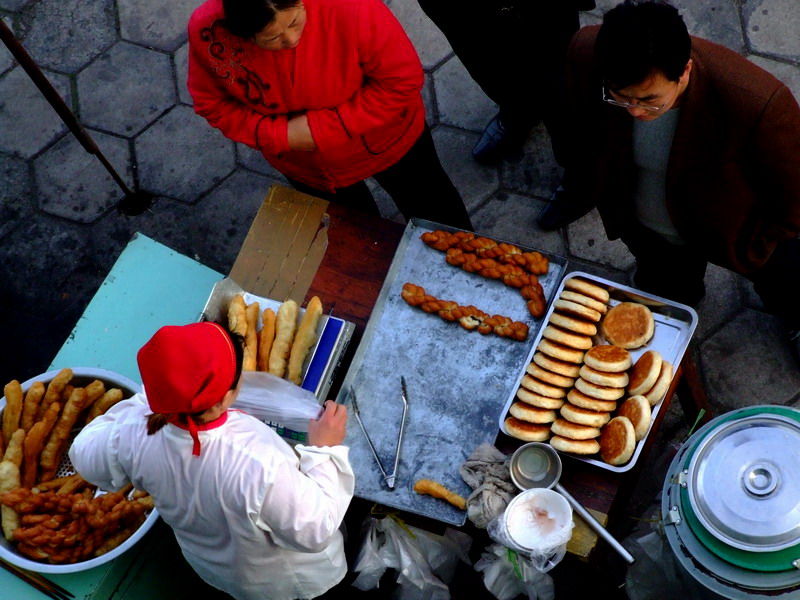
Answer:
(323, 358)
(675, 325)
(457, 380)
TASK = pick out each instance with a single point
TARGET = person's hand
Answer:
(330, 428)
(299, 134)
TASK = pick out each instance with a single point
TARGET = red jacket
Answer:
(355, 74)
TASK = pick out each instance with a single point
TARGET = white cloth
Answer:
(252, 517)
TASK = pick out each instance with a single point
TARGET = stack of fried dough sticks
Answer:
(58, 519)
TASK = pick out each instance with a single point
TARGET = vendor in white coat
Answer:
(253, 517)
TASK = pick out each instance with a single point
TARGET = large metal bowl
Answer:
(81, 376)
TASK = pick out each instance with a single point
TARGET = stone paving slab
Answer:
(66, 34)
(125, 89)
(155, 23)
(16, 199)
(27, 121)
(73, 184)
(183, 155)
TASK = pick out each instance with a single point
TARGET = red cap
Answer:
(187, 368)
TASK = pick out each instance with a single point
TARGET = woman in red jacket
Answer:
(329, 92)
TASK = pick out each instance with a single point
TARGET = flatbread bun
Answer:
(567, 338)
(628, 325)
(645, 372)
(584, 447)
(532, 414)
(540, 387)
(567, 369)
(584, 416)
(529, 432)
(581, 400)
(660, 387)
(585, 300)
(600, 392)
(569, 323)
(617, 441)
(577, 310)
(593, 290)
(637, 409)
(548, 376)
(606, 378)
(538, 400)
(560, 351)
(612, 359)
(574, 431)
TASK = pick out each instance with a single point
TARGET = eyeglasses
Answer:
(648, 107)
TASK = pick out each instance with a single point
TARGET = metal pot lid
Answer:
(744, 482)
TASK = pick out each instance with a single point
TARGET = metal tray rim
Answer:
(676, 360)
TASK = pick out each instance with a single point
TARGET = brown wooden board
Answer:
(284, 246)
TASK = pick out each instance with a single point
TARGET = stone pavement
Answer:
(121, 65)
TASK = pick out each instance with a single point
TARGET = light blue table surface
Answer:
(149, 286)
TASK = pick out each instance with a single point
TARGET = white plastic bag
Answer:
(507, 574)
(425, 562)
(272, 399)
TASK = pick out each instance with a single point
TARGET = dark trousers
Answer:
(417, 183)
(676, 273)
(515, 50)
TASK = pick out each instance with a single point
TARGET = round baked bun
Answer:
(637, 410)
(606, 378)
(585, 300)
(660, 387)
(628, 325)
(600, 392)
(560, 351)
(532, 414)
(549, 377)
(567, 369)
(572, 324)
(611, 359)
(529, 432)
(567, 338)
(538, 400)
(645, 372)
(540, 387)
(584, 416)
(584, 447)
(574, 431)
(581, 400)
(577, 310)
(617, 441)
(593, 290)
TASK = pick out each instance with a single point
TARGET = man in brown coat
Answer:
(691, 154)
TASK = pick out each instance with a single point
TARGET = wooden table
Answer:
(351, 272)
(361, 248)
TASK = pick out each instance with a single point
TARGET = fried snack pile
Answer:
(488, 258)
(61, 528)
(469, 317)
(280, 346)
(58, 520)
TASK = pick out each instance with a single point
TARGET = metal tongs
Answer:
(390, 477)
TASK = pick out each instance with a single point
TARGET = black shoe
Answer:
(562, 210)
(497, 142)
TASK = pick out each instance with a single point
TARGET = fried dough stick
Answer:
(437, 490)
(251, 337)
(13, 409)
(51, 454)
(34, 442)
(54, 389)
(304, 339)
(265, 339)
(285, 324)
(30, 407)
